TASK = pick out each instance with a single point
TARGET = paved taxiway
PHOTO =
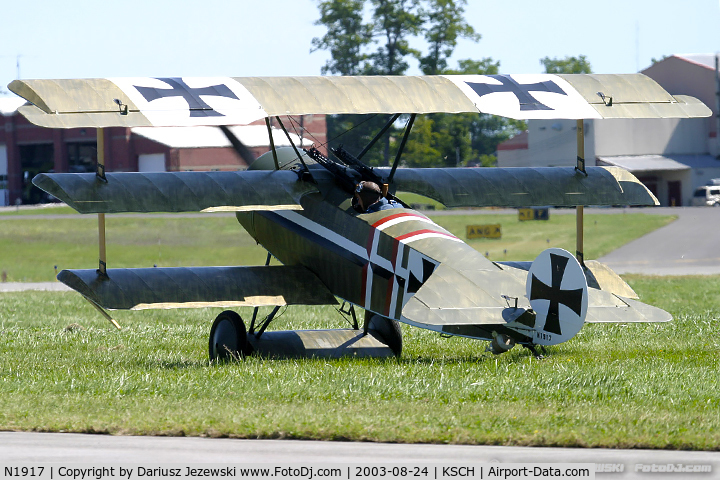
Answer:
(687, 246)
(36, 448)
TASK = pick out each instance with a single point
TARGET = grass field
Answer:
(64, 368)
(31, 248)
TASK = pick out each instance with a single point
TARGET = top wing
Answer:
(189, 101)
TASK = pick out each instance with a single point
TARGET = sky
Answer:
(161, 38)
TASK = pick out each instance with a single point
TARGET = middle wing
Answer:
(177, 191)
(281, 190)
(522, 187)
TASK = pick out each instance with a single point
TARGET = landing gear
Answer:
(228, 337)
(230, 340)
(386, 330)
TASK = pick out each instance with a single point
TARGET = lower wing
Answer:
(195, 287)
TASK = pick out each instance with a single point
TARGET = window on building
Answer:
(35, 159)
(82, 157)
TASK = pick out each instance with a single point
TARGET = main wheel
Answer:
(387, 331)
(228, 337)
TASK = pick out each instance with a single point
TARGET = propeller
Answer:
(240, 148)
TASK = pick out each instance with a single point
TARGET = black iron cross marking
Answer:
(570, 298)
(520, 90)
(198, 108)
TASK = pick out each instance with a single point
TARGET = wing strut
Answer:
(378, 136)
(255, 310)
(100, 174)
(297, 152)
(402, 146)
(580, 209)
(272, 143)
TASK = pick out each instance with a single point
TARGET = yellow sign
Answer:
(483, 231)
(534, 213)
(525, 214)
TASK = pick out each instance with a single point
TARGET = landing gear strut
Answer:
(384, 329)
(534, 349)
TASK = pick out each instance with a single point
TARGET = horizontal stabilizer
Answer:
(449, 297)
(611, 300)
(197, 287)
(176, 191)
(524, 187)
(599, 276)
(190, 101)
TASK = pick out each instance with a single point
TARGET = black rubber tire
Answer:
(387, 331)
(228, 338)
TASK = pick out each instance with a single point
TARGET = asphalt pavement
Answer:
(31, 448)
(688, 246)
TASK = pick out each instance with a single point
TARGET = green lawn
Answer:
(63, 368)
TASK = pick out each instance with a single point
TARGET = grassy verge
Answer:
(637, 386)
(31, 248)
(525, 240)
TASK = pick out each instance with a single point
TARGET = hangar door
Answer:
(154, 162)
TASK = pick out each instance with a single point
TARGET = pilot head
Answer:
(366, 193)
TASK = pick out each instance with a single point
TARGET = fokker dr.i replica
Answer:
(396, 264)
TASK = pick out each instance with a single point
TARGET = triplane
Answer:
(302, 206)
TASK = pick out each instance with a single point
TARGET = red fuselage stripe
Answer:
(420, 232)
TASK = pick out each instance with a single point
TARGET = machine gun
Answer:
(346, 177)
(367, 173)
(351, 171)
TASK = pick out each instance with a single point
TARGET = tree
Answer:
(446, 25)
(394, 21)
(347, 35)
(566, 65)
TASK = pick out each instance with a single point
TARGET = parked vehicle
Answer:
(707, 195)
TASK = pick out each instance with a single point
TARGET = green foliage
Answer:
(420, 150)
(394, 21)
(658, 60)
(446, 25)
(345, 38)
(566, 65)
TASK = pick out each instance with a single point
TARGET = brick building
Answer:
(26, 149)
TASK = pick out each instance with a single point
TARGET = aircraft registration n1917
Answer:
(308, 210)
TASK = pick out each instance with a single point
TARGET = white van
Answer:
(708, 195)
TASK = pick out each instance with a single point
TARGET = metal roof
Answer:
(9, 105)
(649, 163)
(704, 59)
(207, 137)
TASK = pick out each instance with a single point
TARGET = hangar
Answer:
(672, 157)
